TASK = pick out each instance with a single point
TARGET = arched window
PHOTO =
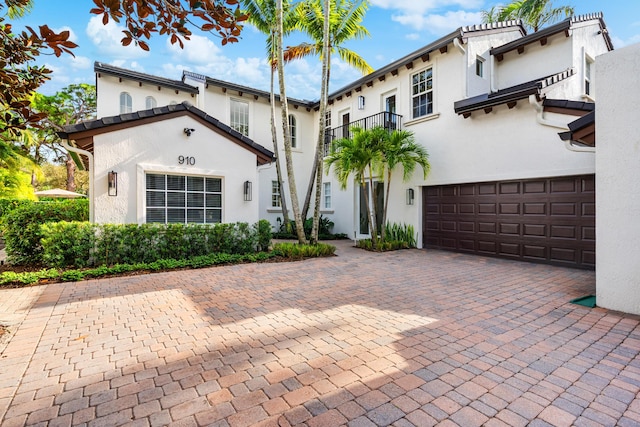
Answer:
(126, 104)
(293, 131)
(150, 102)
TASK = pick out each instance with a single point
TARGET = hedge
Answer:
(81, 244)
(21, 226)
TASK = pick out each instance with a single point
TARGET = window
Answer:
(328, 137)
(588, 66)
(327, 195)
(480, 66)
(293, 131)
(126, 104)
(422, 93)
(150, 102)
(183, 199)
(240, 116)
(276, 201)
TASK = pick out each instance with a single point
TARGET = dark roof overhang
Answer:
(110, 70)
(542, 35)
(582, 130)
(509, 96)
(83, 133)
(424, 54)
(565, 106)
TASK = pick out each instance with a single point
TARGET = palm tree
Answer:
(329, 23)
(401, 149)
(534, 13)
(262, 14)
(284, 108)
(361, 156)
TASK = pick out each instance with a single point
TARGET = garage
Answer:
(546, 220)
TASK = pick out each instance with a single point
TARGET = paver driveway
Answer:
(405, 338)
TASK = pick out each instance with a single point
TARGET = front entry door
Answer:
(364, 213)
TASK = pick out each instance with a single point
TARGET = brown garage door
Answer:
(549, 220)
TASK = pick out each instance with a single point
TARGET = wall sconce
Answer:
(410, 196)
(189, 131)
(360, 102)
(112, 183)
(247, 191)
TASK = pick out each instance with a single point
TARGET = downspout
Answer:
(77, 150)
(569, 145)
(456, 43)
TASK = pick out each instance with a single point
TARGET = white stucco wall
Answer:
(618, 181)
(155, 148)
(109, 89)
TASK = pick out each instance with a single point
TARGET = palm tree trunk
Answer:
(285, 127)
(372, 219)
(326, 64)
(283, 199)
(372, 209)
(386, 206)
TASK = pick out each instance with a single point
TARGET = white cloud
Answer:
(106, 39)
(197, 50)
(79, 62)
(434, 16)
(618, 42)
(422, 7)
(412, 36)
(439, 24)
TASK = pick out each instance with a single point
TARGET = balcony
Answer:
(388, 121)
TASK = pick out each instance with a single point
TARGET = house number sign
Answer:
(186, 160)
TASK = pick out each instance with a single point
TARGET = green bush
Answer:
(263, 228)
(396, 237)
(22, 231)
(298, 251)
(7, 205)
(68, 243)
(85, 245)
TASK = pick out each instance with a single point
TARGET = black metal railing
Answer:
(388, 121)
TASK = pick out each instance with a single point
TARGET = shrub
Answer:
(84, 245)
(263, 228)
(297, 251)
(21, 226)
(396, 237)
(7, 205)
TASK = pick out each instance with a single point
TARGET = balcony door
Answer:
(390, 120)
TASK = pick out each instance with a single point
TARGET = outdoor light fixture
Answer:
(189, 131)
(247, 191)
(112, 183)
(360, 102)
(410, 196)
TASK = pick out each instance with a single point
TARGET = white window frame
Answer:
(293, 130)
(212, 198)
(326, 195)
(417, 92)
(276, 195)
(126, 103)
(480, 66)
(150, 102)
(588, 75)
(239, 116)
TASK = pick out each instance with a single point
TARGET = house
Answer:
(486, 101)
(169, 164)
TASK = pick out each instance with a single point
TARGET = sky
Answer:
(396, 27)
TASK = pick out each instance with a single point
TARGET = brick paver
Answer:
(404, 338)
